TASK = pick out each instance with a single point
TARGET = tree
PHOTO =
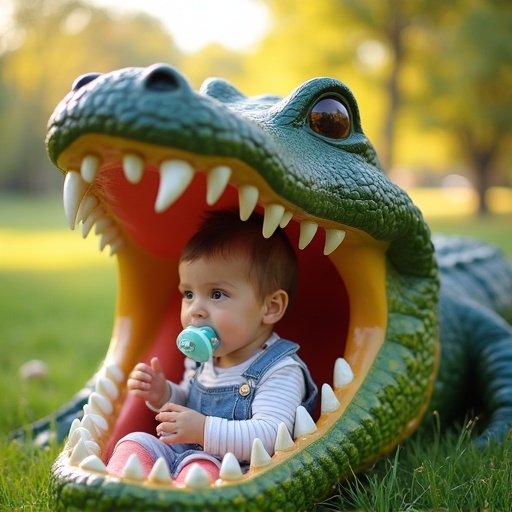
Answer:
(444, 71)
(364, 43)
(469, 77)
(58, 41)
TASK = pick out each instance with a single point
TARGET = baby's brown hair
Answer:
(271, 262)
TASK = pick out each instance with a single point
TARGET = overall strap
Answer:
(278, 350)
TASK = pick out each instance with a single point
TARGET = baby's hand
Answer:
(180, 425)
(149, 383)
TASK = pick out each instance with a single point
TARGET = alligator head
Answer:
(143, 157)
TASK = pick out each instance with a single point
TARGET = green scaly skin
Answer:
(337, 183)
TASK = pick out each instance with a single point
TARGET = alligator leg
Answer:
(55, 427)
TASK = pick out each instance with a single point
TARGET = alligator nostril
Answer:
(84, 80)
(162, 79)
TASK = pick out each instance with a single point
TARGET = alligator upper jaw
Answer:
(145, 202)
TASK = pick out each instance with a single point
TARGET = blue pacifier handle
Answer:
(198, 343)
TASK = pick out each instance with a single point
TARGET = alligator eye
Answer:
(330, 118)
(84, 80)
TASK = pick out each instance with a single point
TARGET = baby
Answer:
(240, 284)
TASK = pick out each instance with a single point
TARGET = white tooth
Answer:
(79, 433)
(100, 405)
(133, 167)
(287, 217)
(197, 477)
(102, 224)
(107, 388)
(108, 236)
(74, 425)
(87, 205)
(93, 463)
(160, 472)
(133, 469)
(304, 423)
(343, 374)
(89, 168)
(73, 193)
(89, 425)
(99, 421)
(333, 239)
(95, 423)
(307, 232)
(273, 215)
(259, 456)
(248, 199)
(72, 440)
(115, 373)
(230, 468)
(79, 453)
(217, 180)
(284, 440)
(88, 223)
(175, 177)
(93, 447)
(116, 245)
(329, 401)
(82, 433)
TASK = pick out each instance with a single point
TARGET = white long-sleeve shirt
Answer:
(281, 391)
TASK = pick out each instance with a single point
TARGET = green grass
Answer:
(63, 314)
(25, 477)
(59, 314)
(441, 472)
(63, 318)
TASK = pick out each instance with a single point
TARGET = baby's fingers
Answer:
(166, 417)
(156, 365)
(142, 367)
(139, 375)
(134, 384)
(172, 407)
(170, 432)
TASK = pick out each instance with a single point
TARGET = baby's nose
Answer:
(198, 310)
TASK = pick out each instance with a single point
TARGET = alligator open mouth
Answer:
(145, 202)
(145, 199)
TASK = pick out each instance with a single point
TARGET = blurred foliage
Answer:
(49, 43)
(433, 78)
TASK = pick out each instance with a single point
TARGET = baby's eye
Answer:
(217, 294)
(188, 295)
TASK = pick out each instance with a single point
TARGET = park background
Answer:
(433, 79)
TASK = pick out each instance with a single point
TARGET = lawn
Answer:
(56, 304)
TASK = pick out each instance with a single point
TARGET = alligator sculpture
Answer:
(144, 155)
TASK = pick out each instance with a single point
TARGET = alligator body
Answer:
(144, 155)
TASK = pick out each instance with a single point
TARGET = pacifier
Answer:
(198, 343)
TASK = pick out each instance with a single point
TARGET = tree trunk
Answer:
(394, 35)
(480, 157)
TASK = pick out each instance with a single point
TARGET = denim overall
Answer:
(234, 402)
(229, 402)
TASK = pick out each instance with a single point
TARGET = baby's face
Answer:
(217, 293)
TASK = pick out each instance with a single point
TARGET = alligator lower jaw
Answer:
(339, 318)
